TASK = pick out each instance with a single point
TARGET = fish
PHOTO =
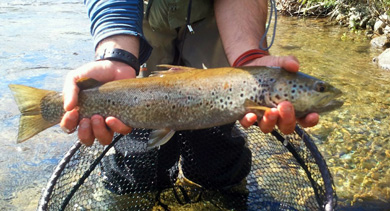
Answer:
(181, 98)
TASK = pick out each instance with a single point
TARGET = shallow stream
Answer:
(42, 40)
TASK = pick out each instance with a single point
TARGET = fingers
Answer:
(269, 120)
(117, 126)
(70, 92)
(286, 121)
(248, 120)
(289, 63)
(96, 127)
(100, 130)
(85, 132)
(309, 120)
(70, 121)
(283, 116)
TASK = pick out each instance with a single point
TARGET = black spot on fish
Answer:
(277, 97)
(241, 95)
(293, 91)
(271, 79)
(173, 106)
(294, 86)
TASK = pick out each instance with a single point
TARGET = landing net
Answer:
(221, 168)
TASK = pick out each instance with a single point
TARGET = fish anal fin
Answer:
(88, 83)
(159, 137)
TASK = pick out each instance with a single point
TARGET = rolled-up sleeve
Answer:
(113, 17)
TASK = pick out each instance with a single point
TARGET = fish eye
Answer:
(320, 87)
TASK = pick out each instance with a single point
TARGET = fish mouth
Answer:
(331, 105)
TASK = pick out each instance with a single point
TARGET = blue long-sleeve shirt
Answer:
(113, 17)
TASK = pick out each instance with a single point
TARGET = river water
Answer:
(42, 40)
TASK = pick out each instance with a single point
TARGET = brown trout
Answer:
(184, 99)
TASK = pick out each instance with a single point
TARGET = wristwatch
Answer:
(116, 54)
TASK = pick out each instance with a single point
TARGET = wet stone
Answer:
(384, 60)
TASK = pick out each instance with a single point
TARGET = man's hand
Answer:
(283, 116)
(96, 126)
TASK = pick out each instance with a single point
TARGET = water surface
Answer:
(42, 40)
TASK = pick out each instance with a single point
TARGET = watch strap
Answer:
(120, 55)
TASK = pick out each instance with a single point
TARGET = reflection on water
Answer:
(43, 40)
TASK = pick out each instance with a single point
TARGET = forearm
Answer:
(241, 25)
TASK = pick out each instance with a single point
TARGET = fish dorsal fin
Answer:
(88, 83)
(174, 68)
(168, 69)
(159, 137)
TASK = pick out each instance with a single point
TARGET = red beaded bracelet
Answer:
(249, 56)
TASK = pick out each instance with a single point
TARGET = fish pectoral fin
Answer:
(259, 110)
(250, 105)
(87, 83)
(159, 137)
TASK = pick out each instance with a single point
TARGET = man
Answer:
(224, 31)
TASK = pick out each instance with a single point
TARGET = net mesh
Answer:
(221, 168)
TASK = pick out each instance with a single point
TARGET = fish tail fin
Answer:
(29, 101)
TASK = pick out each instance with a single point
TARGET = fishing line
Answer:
(264, 37)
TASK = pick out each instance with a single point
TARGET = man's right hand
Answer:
(95, 127)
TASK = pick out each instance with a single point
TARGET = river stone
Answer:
(380, 42)
(384, 60)
(378, 26)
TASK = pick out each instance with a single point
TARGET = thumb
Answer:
(70, 92)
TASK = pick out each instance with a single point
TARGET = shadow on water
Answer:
(48, 38)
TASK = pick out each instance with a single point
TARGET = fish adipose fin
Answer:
(159, 137)
(29, 101)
